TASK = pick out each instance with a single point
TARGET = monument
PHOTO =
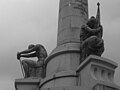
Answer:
(76, 62)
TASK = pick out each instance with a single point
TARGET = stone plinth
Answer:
(97, 71)
(27, 84)
(61, 79)
(67, 88)
(106, 86)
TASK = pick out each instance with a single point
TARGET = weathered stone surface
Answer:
(67, 88)
(61, 79)
(27, 84)
(72, 15)
(105, 86)
(63, 58)
(96, 70)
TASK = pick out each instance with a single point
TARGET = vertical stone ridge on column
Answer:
(72, 15)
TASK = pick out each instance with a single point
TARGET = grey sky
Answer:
(23, 22)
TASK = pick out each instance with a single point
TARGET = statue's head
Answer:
(92, 22)
(31, 46)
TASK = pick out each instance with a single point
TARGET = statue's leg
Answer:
(83, 52)
(29, 67)
(40, 69)
(26, 68)
(31, 63)
(88, 47)
(92, 46)
(32, 68)
(100, 46)
(95, 45)
(83, 55)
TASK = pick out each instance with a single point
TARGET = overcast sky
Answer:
(23, 22)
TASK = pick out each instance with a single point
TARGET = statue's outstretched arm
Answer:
(29, 55)
(28, 50)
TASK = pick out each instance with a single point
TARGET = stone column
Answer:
(72, 14)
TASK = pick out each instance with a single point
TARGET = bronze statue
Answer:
(33, 68)
(91, 39)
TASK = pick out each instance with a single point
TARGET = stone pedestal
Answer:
(27, 84)
(67, 88)
(94, 73)
(97, 73)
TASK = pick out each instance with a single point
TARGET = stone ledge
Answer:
(102, 84)
(97, 59)
(28, 80)
(94, 70)
(67, 88)
(59, 74)
(31, 83)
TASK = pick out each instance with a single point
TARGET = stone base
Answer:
(67, 88)
(97, 73)
(61, 79)
(27, 84)
(94, 73)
